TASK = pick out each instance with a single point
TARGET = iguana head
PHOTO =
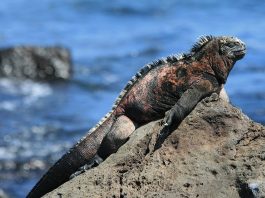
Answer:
(220, 52)
(232, 47)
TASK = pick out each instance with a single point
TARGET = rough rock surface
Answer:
(216, 151)
(37, 63)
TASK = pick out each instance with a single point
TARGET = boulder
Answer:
(217, 151)
(36, 63)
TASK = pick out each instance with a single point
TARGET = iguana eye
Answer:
(230, 45)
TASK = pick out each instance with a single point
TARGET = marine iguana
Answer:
(168, 88)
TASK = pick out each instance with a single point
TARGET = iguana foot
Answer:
(95, 161)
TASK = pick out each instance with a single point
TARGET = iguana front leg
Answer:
(185, 105)
(189, 99)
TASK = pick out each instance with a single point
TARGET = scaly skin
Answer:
(169, 88)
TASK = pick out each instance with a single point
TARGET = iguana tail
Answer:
(76, 157)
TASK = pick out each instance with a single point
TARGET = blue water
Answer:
(110, 41)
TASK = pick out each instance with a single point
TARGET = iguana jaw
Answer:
(239, 52)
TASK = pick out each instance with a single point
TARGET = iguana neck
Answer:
(221, 67)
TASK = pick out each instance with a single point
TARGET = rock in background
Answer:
(37, 63)
(217, 151)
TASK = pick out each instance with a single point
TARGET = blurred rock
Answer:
(3, 194)
(37, 63)
(217, 151)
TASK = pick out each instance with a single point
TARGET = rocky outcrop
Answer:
(37, 63)
(217, 151)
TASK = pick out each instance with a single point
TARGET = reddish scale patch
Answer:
(159, 90)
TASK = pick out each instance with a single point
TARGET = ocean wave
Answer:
(8, 105)
(21, 92)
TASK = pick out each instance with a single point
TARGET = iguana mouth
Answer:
(240, 51)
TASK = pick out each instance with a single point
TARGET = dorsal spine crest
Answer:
(203, 40)
(144, 70)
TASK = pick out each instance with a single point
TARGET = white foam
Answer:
(34, 91)
(110, 78)
(27, 91)
(8, 105)
(5, 154)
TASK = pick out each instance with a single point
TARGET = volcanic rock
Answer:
(217, 151)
